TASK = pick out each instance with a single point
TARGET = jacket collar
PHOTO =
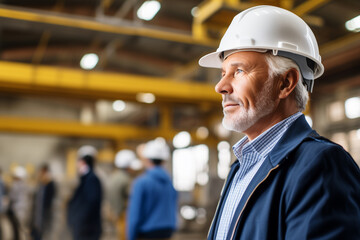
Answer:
(296, 133)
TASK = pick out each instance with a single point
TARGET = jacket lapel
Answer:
(292, 138)
(214, 225)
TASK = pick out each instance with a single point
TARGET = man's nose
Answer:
(224, 85)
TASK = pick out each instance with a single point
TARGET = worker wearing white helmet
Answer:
(84, 208)
(127, 159)
(19, 172)
(19, 206)
(156, 150)
(153, 200)
(287, 181)
(118, 190)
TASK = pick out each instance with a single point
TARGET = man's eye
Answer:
(239, 70)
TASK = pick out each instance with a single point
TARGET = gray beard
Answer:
(247, 118)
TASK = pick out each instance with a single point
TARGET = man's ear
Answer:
(288, 83)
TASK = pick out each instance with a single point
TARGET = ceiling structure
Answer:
(42, 42)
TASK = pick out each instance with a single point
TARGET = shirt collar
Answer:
(266, 141)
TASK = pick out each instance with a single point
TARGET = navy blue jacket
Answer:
(307, 188)
(84, 209)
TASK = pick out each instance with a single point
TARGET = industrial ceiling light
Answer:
(202, 132)
(119, 105)
(194, 11)
(89, 61)
(148, 10)
(352, 107)
(182, 140)
(145, 97)
(188, 212)
(353, 24)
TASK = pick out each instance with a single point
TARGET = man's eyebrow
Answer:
(237, 64)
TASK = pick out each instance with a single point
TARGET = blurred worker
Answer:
(2, 197)
(2, 191)
(42, 206)
(288, 181)
(119, 189)
(84, 208)
(18, 209)
(153, 200)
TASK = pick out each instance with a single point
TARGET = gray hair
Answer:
(279, 65)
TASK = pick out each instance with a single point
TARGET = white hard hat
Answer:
(124, 158)
(271, 28)
(20, 172)
(136, 165)
(86, 150)
(157, 149)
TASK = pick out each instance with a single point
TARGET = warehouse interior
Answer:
(146, 83)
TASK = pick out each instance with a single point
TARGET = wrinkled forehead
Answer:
(243, 58)
(226, 54)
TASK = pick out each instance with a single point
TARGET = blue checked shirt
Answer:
(250, 156)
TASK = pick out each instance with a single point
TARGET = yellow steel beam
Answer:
(90, 24)
(116, 132)
(199, 30)
(334, 47)
(209, 8)
(44, 79)
(41, 48)
(210, 12)
(206, 9)
(77, 129)
(308, 6)
(106, 3)
(239, 5)
(287, 4)
(166, 118)
(71, 156)
(313, 20)
(182, 71)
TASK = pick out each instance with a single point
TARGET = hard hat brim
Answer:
(211, 60)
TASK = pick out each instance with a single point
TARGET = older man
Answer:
(288, 182)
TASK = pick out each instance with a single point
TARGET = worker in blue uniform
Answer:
(152, 209)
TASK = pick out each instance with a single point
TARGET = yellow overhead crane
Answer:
(105, 85)
(97, 85)
(211, 14)
(217, 14)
